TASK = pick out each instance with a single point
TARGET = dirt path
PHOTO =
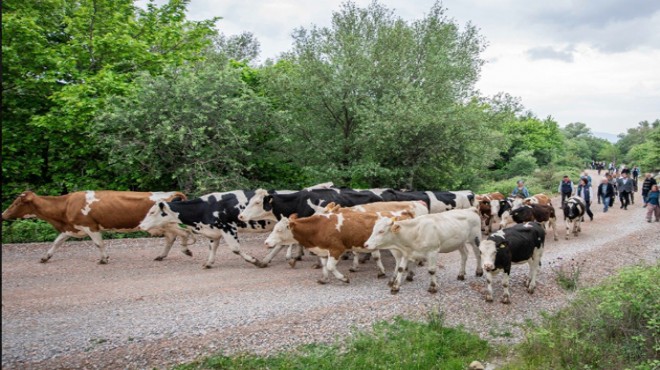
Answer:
(139, 313)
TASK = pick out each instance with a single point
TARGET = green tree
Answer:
(382, 102)
(530, 134)
(61, 61)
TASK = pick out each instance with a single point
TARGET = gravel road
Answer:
(137, 313)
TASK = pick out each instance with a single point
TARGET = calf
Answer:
(88, 213)
(214, 216)
(424, 237)
(487, 210)
(543, 214)
(518, 244)
(504, 210)
(574, 209)
(330, 235)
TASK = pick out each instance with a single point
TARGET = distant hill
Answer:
(612, 138)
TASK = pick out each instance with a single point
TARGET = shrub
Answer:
(612, 326)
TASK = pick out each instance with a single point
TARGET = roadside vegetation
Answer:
(615, 325)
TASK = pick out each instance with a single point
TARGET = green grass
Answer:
(613, 326)
(400, 344)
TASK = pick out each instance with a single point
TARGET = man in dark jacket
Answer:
(566, 188)
(649, 181)
(605, 193)
(625, 187)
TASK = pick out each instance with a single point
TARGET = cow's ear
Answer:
(268, 199)
(161, 205)
(396, 228)
(407, 214)
(502, 244)
(293, 217)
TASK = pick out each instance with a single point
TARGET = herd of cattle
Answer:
(328, 221)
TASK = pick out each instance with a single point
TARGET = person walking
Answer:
(653, 204)
(649, 181)
(584, 192)
(605, 193)
(612, 180)
(585, 175)
(520, 190)
(635, 172)
(566, 188)
(625, 186)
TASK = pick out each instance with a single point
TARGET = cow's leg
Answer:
(97, 238)
(356, 262)
(213, 248)
(332, 267)
(578, 228)
(365, 257)
(464, 256)
(275, 251)
(552, 223)
(379, 263)
(477, 254)
(231, 237)
(397, 258)
(396, 285)
(534, 265)
(432, 268)
(169, 240)
(568, 228)
(489, 286)
(58, 242)
(325, 278)
(505, 286)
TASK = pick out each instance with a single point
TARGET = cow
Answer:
(89, 213)
(487, 212)
(329, 235)
(426, 236)
(517, 244)
(574, 209)
(538, 199)
(543, 214)
(214, 216)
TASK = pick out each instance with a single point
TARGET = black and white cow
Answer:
(213, 215)
(574, 208)
(544, 214)
(517, 244)
(437, 201)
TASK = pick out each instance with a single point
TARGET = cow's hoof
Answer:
(556, 238)
(316, 266)
(346, 280)
(479, 273)
(292, 263)
(159, 258)
(506, 300)
(433, 290)
(489, 299)
(261, 264)
(352, 269)
(103, 262)
(410, 277)
(390, 283)
(530, 290)
(44, 259)
(381, 275)
(205, 266)
(299, 258)
(394, 291)
(187, 252)
(322, 282)
(460, 277)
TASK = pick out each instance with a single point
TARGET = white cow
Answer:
(424, 237)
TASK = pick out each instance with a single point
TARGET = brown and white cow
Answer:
(488, 206)
(88, 213)
(330, 235)
(538, 199)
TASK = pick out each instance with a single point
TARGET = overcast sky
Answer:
(596, 62)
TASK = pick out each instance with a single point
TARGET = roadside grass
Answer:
(39, 231)
(400, 344)
(615, 325)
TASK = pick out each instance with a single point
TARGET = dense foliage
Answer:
(613, 326)
(102, 94)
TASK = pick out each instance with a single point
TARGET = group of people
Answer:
(610, 186)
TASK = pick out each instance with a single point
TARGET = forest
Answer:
(101, 94)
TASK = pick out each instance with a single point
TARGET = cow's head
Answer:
(518, 213)
(382, 233)
(281, 234)
(572, 208)
(160, 215)
(22, 207)
(505, 205)
(489, 248)
(258, 208)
